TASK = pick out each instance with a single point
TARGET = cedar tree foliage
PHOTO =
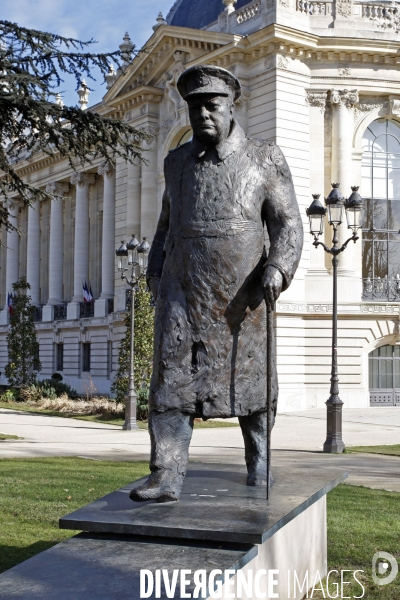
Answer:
(31, 122)
(143, 350)
(23, 347)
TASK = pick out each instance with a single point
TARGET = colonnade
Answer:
(82, 183)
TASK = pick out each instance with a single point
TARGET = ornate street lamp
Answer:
(132, 255)
(335, 203)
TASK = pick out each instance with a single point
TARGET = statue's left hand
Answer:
(272, 282)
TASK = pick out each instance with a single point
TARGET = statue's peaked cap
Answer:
(206, 79)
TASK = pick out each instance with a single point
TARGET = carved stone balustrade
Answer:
(314, 8)
(248, 12)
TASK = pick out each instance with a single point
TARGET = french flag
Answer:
(85, 292)
(10, 302)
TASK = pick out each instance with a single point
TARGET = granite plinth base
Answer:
(289, 529)
(215, 505)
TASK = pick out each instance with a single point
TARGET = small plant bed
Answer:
(110, 418)
(4, 436)
(388, 450)
(36, 492)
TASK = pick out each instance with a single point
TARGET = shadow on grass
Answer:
(10, 556)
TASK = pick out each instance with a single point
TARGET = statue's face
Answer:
(210, 117)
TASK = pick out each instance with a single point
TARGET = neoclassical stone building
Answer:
(321, 78)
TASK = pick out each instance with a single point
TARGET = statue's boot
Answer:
(170, 433)
(254, 430)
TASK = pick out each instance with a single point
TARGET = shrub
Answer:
(142, 407)
(57, 377)
(9, 395)
(143, 346)
(95, 406)
(22, 344)
(47, 388)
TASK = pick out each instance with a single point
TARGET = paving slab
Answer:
(107, 567)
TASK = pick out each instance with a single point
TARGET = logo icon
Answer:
(384, 568)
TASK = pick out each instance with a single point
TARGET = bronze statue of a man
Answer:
(209, 271)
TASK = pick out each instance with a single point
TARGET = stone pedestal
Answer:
(220, 526)
(48, 313)
(73, 311)
(101, 307)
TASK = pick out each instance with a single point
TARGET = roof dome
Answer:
(197, 14)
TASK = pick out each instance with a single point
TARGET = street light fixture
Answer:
(132, 255)
(353, 206)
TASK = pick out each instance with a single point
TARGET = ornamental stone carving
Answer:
(282, 62)
(269, 62)
(395, 107)
(165, 128)
(229, 5)
(368, 103)
(317, 99)
(106, 169)
(344, 8)
(174, 100)
(385, 17)
(378, 308)
(346, 98)
(151, 131)
(82, 179)
(57, 188)
(344, 71)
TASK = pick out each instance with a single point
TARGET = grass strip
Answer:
(361, 521)
(36, 492)
(388, 450)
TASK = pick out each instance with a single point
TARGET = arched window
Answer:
(380, 187)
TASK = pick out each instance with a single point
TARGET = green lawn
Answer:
(361, 522)
(4, 436)
(36, 492)
(389, 450)
(109, 419)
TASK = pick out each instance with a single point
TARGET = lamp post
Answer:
(132, 255)
(316, 214)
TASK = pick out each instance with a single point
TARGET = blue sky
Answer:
(105, 21)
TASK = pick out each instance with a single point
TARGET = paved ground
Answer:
(297, 439)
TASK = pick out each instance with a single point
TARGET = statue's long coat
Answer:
(210, 333)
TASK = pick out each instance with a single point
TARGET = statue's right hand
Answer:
(154, 284)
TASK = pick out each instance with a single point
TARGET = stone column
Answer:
(343, 102)
(56, 249)
(33, 251)
(133, 209)
(82, 181)
(317, 265)
(149, 204)
(108, 242)
(12, 260)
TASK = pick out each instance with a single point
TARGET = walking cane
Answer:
(270, 350)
